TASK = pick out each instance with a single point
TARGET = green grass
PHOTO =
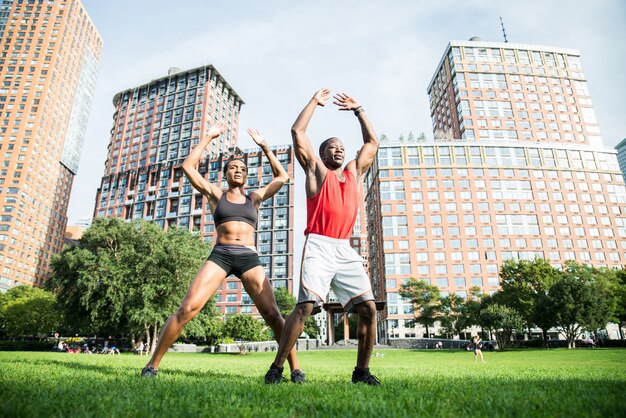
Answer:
(541, 383)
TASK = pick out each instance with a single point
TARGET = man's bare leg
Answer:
(366, 331)
(294, 325)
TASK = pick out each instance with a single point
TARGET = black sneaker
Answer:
(298, 376)
(149, 371)
(367, 378)
(274, 376)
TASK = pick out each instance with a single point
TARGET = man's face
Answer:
(334, 154)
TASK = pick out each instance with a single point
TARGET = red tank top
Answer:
(332, 211)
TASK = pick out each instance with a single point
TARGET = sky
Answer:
(276, 54)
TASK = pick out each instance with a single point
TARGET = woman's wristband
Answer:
(358, 110)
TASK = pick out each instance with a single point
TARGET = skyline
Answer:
(275, 60)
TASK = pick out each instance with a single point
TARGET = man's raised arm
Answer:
(367, 153)
(301, 141)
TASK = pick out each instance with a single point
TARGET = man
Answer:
(328, 261)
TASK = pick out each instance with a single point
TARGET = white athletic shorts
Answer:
(329, 263)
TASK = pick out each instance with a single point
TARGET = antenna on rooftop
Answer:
(503, 31)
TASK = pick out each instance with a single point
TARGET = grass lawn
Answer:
(540, 383)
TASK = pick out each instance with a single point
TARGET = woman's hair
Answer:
(230, 161)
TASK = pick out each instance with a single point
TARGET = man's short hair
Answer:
(230, 161)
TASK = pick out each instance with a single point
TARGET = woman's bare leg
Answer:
(203, 286)
(260, 290)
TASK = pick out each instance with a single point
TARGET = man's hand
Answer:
(322, 96)
(216, 130)
(345, 102)
(256, 136)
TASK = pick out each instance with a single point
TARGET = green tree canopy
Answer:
(426, 301)
(582, 300)
(503, 321)
(207, 325)
(126, 277)
(28, 311)
(524, 287)
(286, 301)
(469, 311)
(244, 328)
(451, 311)
(620, 297)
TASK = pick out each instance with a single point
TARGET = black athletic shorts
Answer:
(234, 259)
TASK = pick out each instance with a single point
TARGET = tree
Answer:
(451, 309)
(28, 311)
(125, 278)
(164, 277)
(207, 325)
(582, 301)
(469, 311)
(426, 301)
(286, 303)
(244, 329)
(524, 287)
(311, 328)
(620, 307)
(503, 321)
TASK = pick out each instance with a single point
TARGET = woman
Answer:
(477, 348)
(235, 215)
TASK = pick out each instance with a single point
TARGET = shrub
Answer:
(25, 345)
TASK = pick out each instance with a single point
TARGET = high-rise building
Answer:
(512, 92)
(154, 128)
(48, 67)
(621, 156)
(517, 170)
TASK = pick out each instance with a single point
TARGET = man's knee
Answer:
(366, 311)
(302, 311)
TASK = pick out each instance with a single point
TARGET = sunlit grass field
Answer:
(536, 383)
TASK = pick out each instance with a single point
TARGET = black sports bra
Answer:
(243, 212)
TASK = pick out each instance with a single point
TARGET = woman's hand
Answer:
(216, 130)
(257, 137)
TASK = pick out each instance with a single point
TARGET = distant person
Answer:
(140, 348)
(235, 213)
(478, 345)
(591, 342)
(329, 262)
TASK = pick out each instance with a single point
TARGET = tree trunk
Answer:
(148, 339)
(544, 337)
(154, 338)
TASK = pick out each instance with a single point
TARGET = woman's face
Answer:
(236, 173)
